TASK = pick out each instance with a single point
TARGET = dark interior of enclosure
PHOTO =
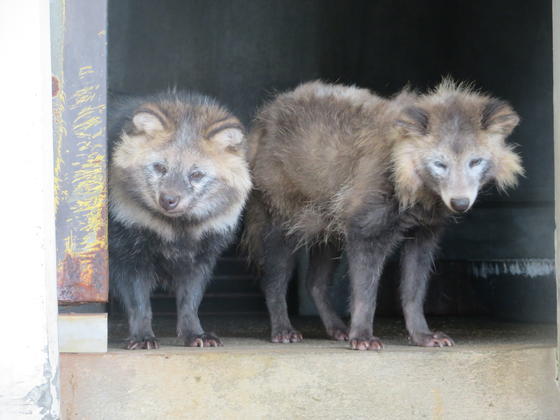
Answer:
(499, 260)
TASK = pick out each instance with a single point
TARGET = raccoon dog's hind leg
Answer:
(133, 289)
(319, 276)
(269, 249)
(416, 264)
(278, 262)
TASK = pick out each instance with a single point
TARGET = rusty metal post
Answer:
(79, 61)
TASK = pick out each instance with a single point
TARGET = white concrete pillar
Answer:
(28, 308)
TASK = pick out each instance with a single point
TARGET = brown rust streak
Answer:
(77, 278)
(81, 276)
(55, 85)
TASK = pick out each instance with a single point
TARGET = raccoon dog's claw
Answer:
(361, 343)
(338, 334)
(204, 340)
(144, 344)
(436, 339)
(285, 337)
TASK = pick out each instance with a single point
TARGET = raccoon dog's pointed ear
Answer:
(148, 120)
(498, 117)
(228, 133)
(414, 121)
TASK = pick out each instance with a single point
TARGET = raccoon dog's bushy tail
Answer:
(255, 227)
(256, 219)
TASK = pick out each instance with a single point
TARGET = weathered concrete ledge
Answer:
(252, 379)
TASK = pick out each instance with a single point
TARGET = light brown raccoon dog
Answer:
(339, 167)
(178, 181)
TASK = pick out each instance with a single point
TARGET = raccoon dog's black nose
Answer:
(460, 204)
(168, 202)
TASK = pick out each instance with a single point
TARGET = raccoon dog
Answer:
(338, 167)
(178, 181)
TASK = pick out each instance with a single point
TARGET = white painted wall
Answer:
(28, 336)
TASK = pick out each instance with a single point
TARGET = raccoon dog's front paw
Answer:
(338, 334)
(436, 339)
(203, 340)
(366, 343)
(286, 336)
(146, 343)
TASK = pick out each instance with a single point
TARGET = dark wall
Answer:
(241, 51)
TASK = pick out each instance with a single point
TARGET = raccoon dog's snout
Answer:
(169, 201)
(460, 204)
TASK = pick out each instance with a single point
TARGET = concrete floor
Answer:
(480, 332)
(496, 371)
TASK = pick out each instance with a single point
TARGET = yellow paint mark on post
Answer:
(89, 117)
(84, 71)
(89, 194)
(59, 134)
(84, 95)
(90, 200)
(85, 247)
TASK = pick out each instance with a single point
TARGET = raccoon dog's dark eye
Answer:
(196, 175)
(475, 162)
(160, 168)
(440, 165)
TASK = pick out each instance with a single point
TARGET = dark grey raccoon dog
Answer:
(178, 181)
